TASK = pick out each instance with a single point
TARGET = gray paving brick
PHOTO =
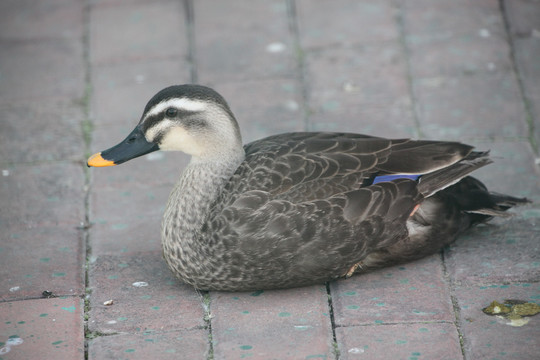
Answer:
(282, 324)
(163, 304)
(120, 91)
(411, 292)
(425, 18)
(527, 50)
(399, 341)
(502, 252)
(42, 195)
(352, 22)
(126, 237)
(451, 108)
(23, 138)
(27, 19)
(37, 70)
(192, 344)
(257, 116)
(251, 42)
(466, 55)
(35, 259)
(360, 89)
(523, 18)
(471, 48)
(154, 30)
(127, 220)
(45, 328)
(488, 337)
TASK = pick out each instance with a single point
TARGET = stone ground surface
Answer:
(74, 78)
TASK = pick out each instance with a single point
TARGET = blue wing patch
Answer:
(385, 178)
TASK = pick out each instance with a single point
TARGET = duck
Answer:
(300, 208)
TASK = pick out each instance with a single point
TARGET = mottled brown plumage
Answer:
(300, 208)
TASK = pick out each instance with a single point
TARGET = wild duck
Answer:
(300, 208)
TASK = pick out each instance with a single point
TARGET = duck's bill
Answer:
(133, 146)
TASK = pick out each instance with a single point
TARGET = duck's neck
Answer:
(190, 200)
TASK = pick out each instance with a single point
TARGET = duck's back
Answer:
(303, 207)
(310, 165)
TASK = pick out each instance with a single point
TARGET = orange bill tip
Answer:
(97, 160)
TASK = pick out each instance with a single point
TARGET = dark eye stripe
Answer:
(151, 121)
(185, 117)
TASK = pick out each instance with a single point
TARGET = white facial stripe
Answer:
(181, 104)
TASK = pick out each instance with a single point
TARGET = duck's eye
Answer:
(171, 112)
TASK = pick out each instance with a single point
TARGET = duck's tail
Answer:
(441, 218)
(472, 197)
(469, 194)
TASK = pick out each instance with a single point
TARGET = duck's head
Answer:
(190, 118)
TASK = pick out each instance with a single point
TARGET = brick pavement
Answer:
(74, 78)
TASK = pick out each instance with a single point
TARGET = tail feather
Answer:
(490, 213)
(438, 180)
(507, 201)
(500, 203)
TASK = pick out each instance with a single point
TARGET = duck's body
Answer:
(300, 208)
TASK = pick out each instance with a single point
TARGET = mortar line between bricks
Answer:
(191, 44)
(400, 21)
(87, 135)
(412, 322)
(299, 54)
(42, 297)
(332, 321)
(455, 305)
(207, 318)
(519, 78)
